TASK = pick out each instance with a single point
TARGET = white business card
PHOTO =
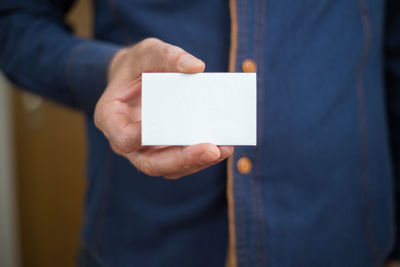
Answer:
(187, 109)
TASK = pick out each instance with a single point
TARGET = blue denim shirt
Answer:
(320, 191)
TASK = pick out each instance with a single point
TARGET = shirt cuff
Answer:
(86, 71)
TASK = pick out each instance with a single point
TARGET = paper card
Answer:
(186, 109)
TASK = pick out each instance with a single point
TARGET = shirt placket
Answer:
(244, 166)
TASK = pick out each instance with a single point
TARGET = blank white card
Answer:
(186, 109)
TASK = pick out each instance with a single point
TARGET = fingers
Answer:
(226, 151)
(118, 127)
(175, 162)
(124, 134)
(158, 56)
(117, 113)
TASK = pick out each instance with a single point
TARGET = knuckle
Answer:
(165, 52)
(124, 144)
(147, 44)
(128, 137)
(145, 53)
(171, 50)
(151, 41)
(137, 51)
(183, 166)
(180, 53)
(147, 168)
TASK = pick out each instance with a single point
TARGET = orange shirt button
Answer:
(244, 165)
(249, 65)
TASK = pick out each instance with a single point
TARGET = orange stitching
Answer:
(234, 32)
(232, 256)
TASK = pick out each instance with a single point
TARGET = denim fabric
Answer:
(320, 192)
(86, 259)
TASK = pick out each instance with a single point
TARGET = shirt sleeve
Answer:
(392, 64)
(39, 53)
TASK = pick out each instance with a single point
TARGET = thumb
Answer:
(190, 64)
(158, 56)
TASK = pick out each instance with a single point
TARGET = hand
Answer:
(118, 111)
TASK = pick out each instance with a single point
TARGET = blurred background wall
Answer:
(9, 250)
(42, 172)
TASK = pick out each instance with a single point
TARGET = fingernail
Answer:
(208, 157)
(187, 61)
